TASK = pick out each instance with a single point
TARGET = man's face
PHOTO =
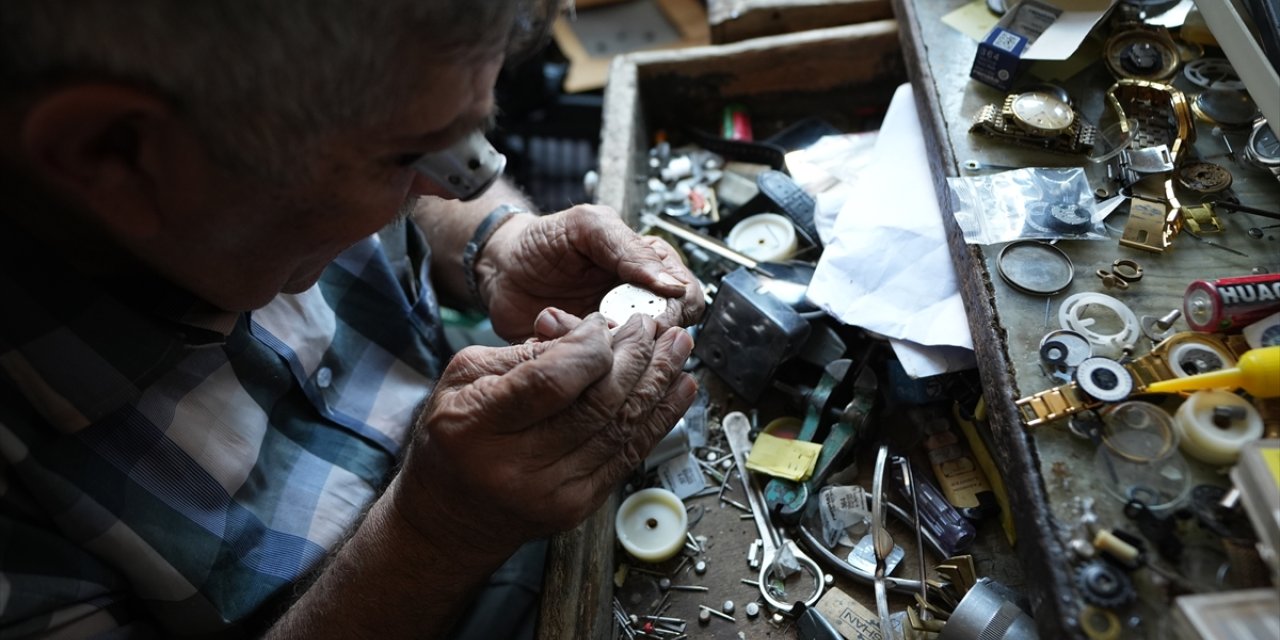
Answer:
(240, 241)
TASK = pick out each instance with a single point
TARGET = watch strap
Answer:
(792, 201)
(479, 239)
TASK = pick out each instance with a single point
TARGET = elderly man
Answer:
(224, 392)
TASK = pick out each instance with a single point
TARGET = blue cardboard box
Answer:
(998, 57)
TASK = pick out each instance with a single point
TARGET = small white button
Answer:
(324, 376)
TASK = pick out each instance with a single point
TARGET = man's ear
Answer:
(102, 146)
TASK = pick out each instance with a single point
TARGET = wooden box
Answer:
(735, 20)
(830, 73)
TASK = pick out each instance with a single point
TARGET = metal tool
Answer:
(974, 165)
(786, 499)
(737, 428)
(786, 281)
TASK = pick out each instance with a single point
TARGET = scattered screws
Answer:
(750, 582)
(777, 618)
(753, 609)
(688, 587)
(735, 503)
(715, 613)
(727, 607)
(704, 616)
(664, 583)
(700, 567)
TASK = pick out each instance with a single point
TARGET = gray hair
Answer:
(261, 79)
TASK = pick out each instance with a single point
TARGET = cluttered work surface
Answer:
(1148, 472)
(920, 467)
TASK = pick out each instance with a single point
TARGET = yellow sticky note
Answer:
(974, 20)
(782, 458)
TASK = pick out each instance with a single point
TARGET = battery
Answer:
(1228, 305)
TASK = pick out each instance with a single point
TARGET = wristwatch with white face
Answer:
(1040, 113)
(1036, 119)
(1263, 149)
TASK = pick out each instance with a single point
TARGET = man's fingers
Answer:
(554, 323)
(523, 384)
(624, 436)
(613, 453)
(633, 352)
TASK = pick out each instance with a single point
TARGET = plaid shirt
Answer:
(167, 468)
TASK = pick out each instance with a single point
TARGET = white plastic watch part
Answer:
(626, 300)
(651, 524)
(1076, 314)
(1203, 439)
(766, 237)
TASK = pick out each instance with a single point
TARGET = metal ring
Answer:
(1099, 624)
(1135, 270)
(1040, 280)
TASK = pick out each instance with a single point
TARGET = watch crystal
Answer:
(1042, 111)
(1265, 144)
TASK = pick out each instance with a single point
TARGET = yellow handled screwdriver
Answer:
(1257, 371)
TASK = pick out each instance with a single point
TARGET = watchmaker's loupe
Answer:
(466, 169)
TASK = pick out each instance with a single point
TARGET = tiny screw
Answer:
(727, 607)
(700, 567)
(753, 609)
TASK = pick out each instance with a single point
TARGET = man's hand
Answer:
(522, 441)
(569, 260)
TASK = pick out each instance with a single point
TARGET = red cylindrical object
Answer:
(1230, 304)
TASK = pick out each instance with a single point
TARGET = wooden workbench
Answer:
(1051, 470)
(735, 20)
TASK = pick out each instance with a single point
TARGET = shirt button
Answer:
(324, 376)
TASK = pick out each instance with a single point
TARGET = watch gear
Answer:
(1036, 119)
(1104, 585)
(1204, 177)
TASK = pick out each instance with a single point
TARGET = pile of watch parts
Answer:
(1140, 144)
(1152, 401)
(857, 485)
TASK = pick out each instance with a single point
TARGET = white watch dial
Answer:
(1042, 111)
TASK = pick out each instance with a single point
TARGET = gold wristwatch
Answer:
(1163, 118)
(1178, 356)
(1036, 119)
(1162, 114)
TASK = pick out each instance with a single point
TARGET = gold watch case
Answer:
(1142, 53)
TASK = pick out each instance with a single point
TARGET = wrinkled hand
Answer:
(522, 441)
(569, 260)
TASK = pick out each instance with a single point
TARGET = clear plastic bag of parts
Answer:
(1042, 203)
